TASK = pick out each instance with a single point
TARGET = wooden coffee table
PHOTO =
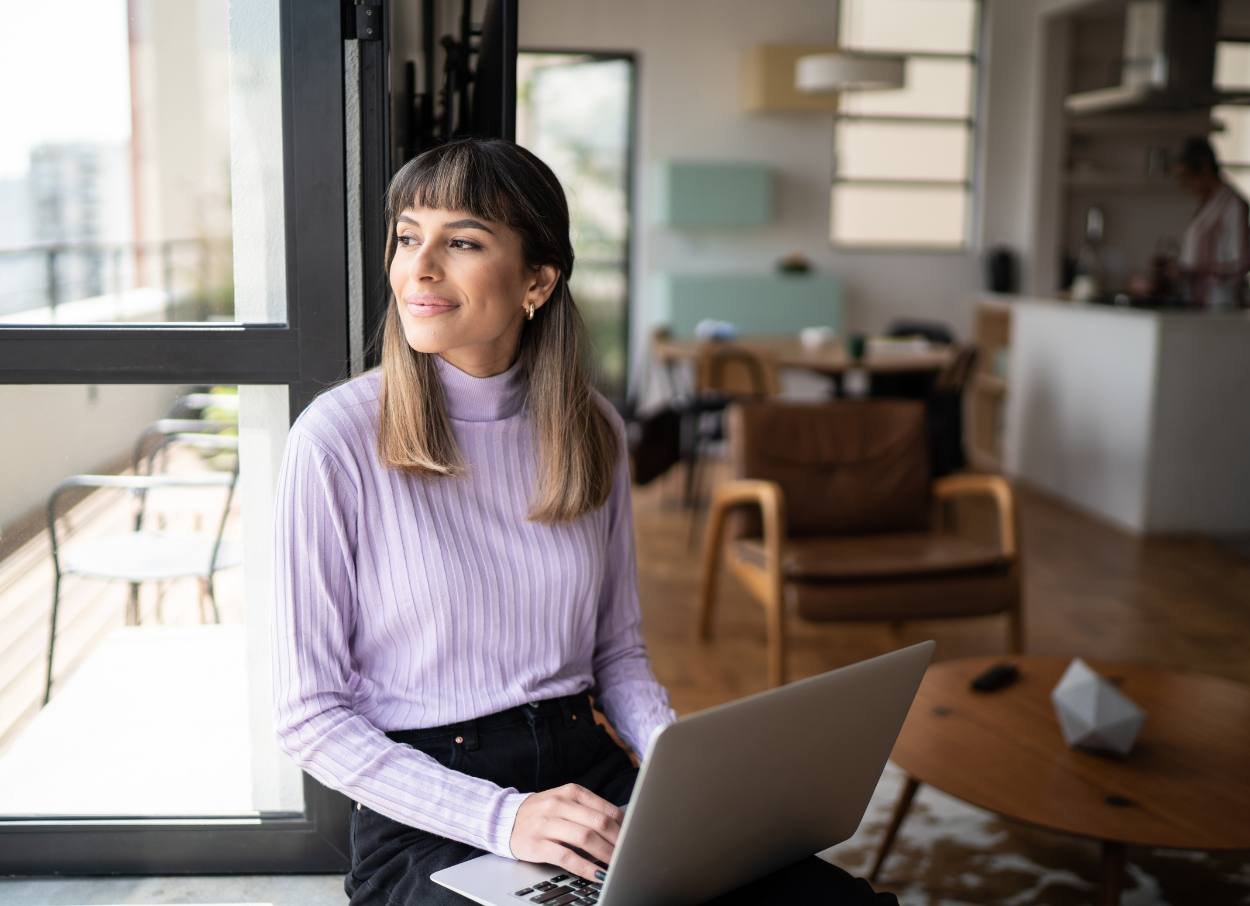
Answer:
(1185, 784)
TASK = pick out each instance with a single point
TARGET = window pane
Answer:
(161, 699)
(901, 151)
(933, 88)
(1233, 144)
(573, 112)
(1232, 65)
(144, 148)
(877, 215)
(932, 25)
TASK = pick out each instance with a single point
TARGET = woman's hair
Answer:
(1197, 156)
(498, 180)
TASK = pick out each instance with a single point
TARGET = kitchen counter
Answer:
(1139, 416)
(1235, 317)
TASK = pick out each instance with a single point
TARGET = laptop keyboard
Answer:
(561, 890)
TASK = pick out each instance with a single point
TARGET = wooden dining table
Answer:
(831, 359)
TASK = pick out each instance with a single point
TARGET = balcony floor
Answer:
(154, 722)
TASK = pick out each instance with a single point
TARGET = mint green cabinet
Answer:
(756, 303)
(713, 194)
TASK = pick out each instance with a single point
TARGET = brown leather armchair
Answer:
(833, 517)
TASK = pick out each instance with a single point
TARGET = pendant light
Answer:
(849, 71)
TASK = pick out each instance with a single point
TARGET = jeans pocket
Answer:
(453, 755)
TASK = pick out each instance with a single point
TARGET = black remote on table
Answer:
(997, 677)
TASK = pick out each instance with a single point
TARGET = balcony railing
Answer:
(188, 279)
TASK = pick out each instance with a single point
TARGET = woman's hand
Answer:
(549, 823)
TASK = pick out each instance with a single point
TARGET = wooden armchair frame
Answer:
(767, 582)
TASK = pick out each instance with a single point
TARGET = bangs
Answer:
(452, 177)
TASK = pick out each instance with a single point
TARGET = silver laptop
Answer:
(734, 793)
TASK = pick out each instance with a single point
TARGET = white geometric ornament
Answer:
(1092, 713)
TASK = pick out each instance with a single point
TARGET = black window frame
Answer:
(307, 354)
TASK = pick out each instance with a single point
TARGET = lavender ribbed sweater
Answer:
(405, 602)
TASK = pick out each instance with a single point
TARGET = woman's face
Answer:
(462, 287)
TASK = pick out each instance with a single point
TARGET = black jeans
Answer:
(535, 747)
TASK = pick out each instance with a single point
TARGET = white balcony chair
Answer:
(143, 554)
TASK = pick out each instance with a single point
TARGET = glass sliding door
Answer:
(162, 321)
(152, 567)
(576, 112)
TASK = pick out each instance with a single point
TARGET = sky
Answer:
(65, 70)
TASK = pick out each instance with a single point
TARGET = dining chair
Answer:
(723, 373)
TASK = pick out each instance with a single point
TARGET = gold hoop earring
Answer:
(530, 312)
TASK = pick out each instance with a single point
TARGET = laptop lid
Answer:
(735, 792)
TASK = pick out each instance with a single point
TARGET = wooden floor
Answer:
(1090, 590)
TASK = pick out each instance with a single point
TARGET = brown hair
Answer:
(498, 180)
(1198, 156)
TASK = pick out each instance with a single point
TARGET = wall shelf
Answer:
(768, 80)
(1119, 183)
(1136, 125)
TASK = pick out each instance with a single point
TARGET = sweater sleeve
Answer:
(625, 688)
(316, 599)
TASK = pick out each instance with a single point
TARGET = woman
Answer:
(456, 557)
(455, 552)
(1215, 253)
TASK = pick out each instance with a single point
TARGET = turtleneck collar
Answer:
(475, 399)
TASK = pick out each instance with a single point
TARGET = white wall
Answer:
(1025, 84)
(689, 65)
(54, 431)
(1009, 127)
(1200, 448)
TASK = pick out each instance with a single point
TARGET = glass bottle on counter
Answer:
(1087, 285)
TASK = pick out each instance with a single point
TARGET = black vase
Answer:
(1000, 270)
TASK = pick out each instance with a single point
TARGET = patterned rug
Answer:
(949, 853)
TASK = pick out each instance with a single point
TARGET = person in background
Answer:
(1215, 251)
